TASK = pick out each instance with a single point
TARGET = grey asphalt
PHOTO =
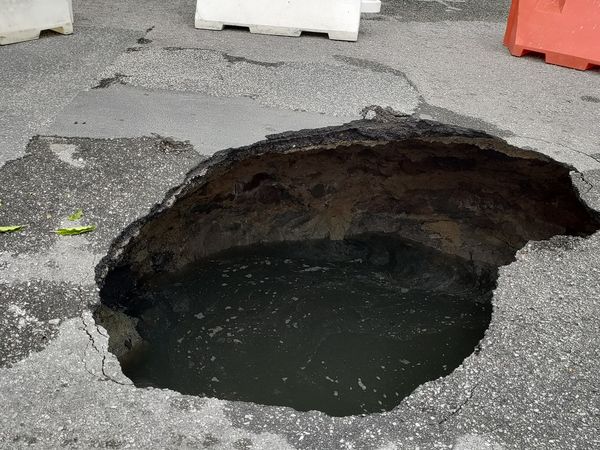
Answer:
(79, 119)
(208, 122)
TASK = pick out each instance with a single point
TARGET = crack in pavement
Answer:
(425, 109)
(459, 408)
(92, 342)
(338, 87)
(117, 78)
(228, 57)
(377, 67)
(239, 59)
(558, 144)
(586, 182)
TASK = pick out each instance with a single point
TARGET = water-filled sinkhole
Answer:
(345, 327)
(333, 270)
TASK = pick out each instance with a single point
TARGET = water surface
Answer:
(344, 328)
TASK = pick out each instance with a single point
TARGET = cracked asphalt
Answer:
(84, 121)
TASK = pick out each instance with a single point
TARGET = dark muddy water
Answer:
(344, 328)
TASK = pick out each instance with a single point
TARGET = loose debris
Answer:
(75, 230)
(11, 228)
(76, 216)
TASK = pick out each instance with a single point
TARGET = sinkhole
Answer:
(333, 269)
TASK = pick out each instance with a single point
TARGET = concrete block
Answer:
(23, 20)
(339, 19)
(370, 6)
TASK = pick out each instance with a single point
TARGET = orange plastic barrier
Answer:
(566, 31)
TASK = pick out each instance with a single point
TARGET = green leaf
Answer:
(75, 230)
(76, 215)
(11, 228)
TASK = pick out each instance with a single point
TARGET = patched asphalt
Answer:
(108, 179)
(534, 382)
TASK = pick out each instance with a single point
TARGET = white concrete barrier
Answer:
(370, 6)
(22, 20)
(339, 19)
